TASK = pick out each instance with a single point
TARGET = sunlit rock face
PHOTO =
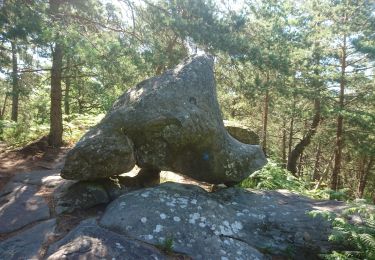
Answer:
(169, 122)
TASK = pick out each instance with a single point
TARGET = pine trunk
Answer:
(306, 140)
(15, 85)
(67, 88)
(56, 127)
(265, 116)
(340, 122)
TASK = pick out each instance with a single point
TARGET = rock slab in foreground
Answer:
(170, 122)
(21, 207)
(232, 223)
(89, 241)
(27, 244)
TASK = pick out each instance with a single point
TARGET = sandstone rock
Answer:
(72, 195)
(27, 244)
(169, 122)
(21, 207)
(89, 241)
(231, 223)
(241, 133)
(38, 177)
(79, 195)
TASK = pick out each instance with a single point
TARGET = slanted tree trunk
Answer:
(15, 85)
(340, 120)
(365, 167)
(305, 141)
(316, 176)
(56, 126)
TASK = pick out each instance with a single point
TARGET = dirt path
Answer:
(36, 156)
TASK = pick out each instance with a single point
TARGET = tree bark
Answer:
(364, 170)
(15, 85)
(67, 88)
(316, 176)
(283, 148)
(56, 127)
(265, 116)
(340, 121)
(305, 141)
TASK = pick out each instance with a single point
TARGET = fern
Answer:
(355, 229)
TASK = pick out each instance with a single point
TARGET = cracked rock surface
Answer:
(232, 223)
(171, 220)
(169, 122)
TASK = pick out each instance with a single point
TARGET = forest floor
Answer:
(35, 156)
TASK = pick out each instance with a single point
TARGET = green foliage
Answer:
(75, 125)
(19, 134)
(272, 177)
(355, 229)
(167, 245)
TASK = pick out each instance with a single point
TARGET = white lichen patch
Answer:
(158, 228)
(193, 217)
(149, 237)
(236, 226)
(119, 246)
(163, 216)
(202, 225)
(177, 219)
(239, 214)
(144, 220)
(122, 205)
(193, 201)
(145, 194)
(225, 230)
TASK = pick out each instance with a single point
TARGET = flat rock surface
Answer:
(89, 241)
(27, 244)
(232, 223)
(22, 207)
(38, 177)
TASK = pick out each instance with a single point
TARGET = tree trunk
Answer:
(316, 176)
(265, 116)
(67, 88)
(56, 127)
(364, 170)
(283, 148)
(15, 85)
(340, 121)
(291, 128)
(305, 141)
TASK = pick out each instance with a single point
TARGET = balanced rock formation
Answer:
(170, 122)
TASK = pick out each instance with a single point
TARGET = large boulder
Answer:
(241, 133)
(232, 223)
(169, 122)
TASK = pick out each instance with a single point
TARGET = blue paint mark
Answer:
(205, 156)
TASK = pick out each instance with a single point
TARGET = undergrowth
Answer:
(19, 134)
(354, 229)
